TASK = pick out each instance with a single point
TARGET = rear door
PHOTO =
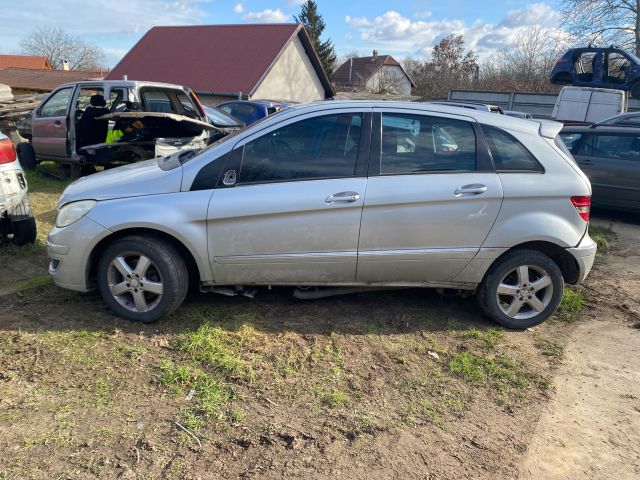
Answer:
(288, 207)
(50, 125)
(612, 163)
(432, 197)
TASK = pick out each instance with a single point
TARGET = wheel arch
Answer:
(565, 261)
(192, 265)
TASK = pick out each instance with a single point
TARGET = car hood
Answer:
(153, 115)
(151, 177)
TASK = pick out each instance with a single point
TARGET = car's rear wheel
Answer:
(522, 289)
(142, 279)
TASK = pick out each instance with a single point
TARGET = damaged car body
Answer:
(107, 122)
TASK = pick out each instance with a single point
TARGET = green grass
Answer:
(600, 235)
(334, 399)
(570, 306)
(497, 372)
(489, 338)
(432, 410)
(218, 348)
(211, 397)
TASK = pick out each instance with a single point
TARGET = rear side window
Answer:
(509, 155)
(319, 147)
(562, 146)
(157, 102)
(423, 143)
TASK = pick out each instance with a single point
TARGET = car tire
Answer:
(521, 289)
(26, 155)
(142, 292)
(24, 231)
(635, 90)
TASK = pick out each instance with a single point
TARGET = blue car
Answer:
(249, 111)
(598, 67)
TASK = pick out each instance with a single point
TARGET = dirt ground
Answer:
(394, 384)
(591, 426)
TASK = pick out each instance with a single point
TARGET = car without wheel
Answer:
(338, 194)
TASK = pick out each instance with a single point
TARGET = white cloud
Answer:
(266, 16)
(393, 32)
(238, 8)
(533, 14)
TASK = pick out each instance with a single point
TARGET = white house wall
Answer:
(292, 78)
(390, 74)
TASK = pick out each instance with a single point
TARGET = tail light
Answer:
(7, 152)
(583, 206)
(561, 61)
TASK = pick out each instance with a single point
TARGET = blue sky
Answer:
(401, 28)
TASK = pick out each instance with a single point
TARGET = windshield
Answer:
(220, 118)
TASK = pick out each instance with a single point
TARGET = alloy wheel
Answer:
(134, 282)
(524, 292)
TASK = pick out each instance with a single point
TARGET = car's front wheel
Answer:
(522, 289)
(142, 279)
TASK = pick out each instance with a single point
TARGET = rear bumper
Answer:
(584, 254)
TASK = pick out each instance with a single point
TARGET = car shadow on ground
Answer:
(275, 311)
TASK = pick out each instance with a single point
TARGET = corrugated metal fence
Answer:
(537, 104)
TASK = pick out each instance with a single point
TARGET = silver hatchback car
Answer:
(340, 194)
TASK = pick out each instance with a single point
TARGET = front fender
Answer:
(181, 215)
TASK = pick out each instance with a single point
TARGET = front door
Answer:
(432, 197)
(50, 125)
(289, 206)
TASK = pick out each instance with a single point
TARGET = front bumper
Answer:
(69, 251)
(584, 254)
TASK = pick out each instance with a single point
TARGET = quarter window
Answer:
(422, 143)
(57, 105)
(508, 153)
(319, 147)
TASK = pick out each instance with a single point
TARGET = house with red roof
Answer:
(222, 62)
(30, 62)
(378, 74)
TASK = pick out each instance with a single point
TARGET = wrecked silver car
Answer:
(86, 124)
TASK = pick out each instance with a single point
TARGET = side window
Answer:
(422, 143)
(570, 139)
(622, 147)
(585, 65)
(615, 67)
(84, 97)
(242, 111)
(157, 102)
(117, 99)
(583, 147)
(319, 147)
(508, 153)
(56, 106)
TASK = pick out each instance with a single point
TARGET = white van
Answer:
(588, 105)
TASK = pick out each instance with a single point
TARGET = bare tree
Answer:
(450, 67)
(604, 21)
(525, 65)
(58, 45)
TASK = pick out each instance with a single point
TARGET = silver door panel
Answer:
(421, 217)
(285, 232)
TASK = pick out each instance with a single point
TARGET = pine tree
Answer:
(314, 24)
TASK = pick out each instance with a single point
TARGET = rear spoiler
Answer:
(549, 128)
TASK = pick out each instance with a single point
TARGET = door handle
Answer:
(57, 123)
(342, 197)
(469, 190)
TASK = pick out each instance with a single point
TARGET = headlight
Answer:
(72, 212)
